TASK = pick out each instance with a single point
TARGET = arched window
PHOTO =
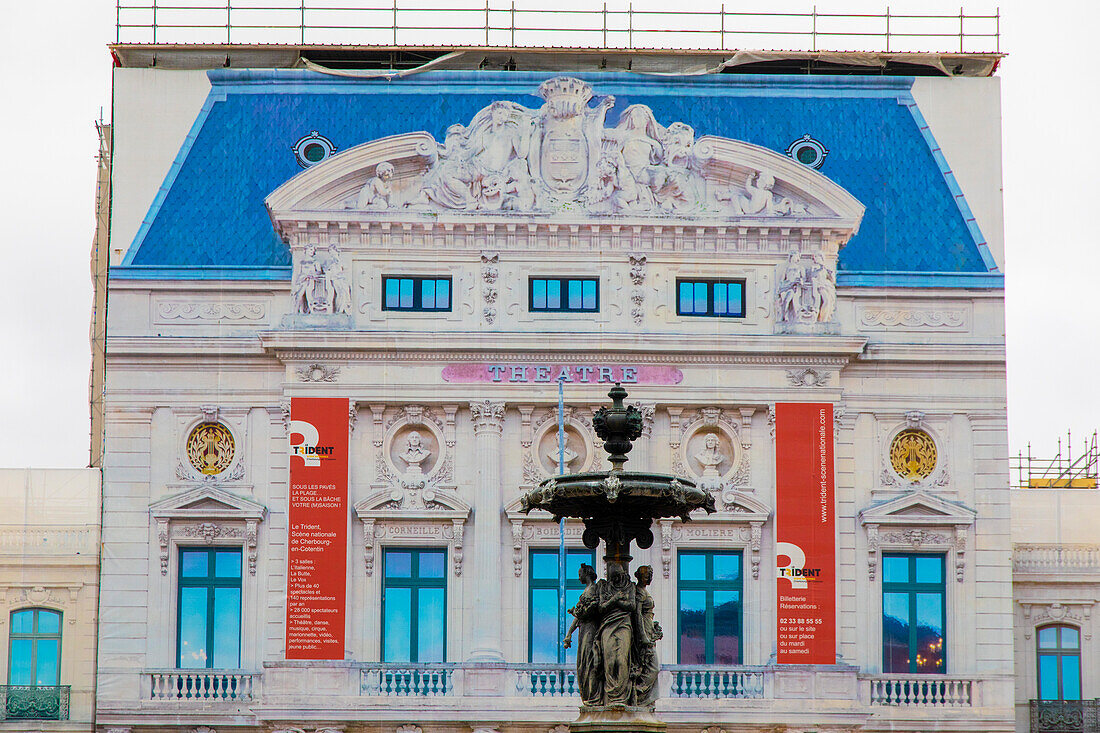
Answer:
(34, 653)
(1059, 652)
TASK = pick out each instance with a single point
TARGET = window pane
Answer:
(895, 632)
(930, 651)
(443, 294)
(227, 564)
(929, 569)
(734, 299)
(195, 563)
(700, 297)
(544, 565)
(895, 570)
(22, 622)
(396, 625)
(573, 562)
(49, 622)
(227, 628)
(393, 298)
(1048, 638)
(693, 627)
(430, 624)
(19, 666)
(427, 294)
(49, 655)
(589, 301)
(1069, 637)
(553, 294)
(727, 567)
(431, 565)
(406, 293)
(398, 564)
(727, 627)
(1048, 677)
(693, 567)
(720, 298)
(538, 294)
(1071, 677)
(544, 626)
(193, 627)
(575, 294)
(686, 304)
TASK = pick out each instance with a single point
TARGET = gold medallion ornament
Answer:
(210, 448)
(913, 454)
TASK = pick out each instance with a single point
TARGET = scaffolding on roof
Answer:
(1072, 471)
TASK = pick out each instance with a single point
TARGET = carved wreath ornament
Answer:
(210, 448)
(913, 454)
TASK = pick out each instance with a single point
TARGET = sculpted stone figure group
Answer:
(561, 156)
(807, 291)
(321, 285)
(617, 638)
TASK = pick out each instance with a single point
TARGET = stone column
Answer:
(488, 419)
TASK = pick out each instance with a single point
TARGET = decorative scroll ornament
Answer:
(210, 448)
(913, 454)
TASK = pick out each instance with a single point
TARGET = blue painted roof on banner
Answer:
(210, 213)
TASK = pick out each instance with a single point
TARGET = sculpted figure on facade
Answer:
(710, 457)
(806, 292)
(585, 621)
(321, 286)
(645, 664)
(415, 453)
(377, 193)
(568, 454)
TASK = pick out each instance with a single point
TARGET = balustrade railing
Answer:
(34, 702)
(546, 680)
(1056, 558)
(408, 680)
(922, 691)
(715, 682)
(1065, 716)
(202, 684)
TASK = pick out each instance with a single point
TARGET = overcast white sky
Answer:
(56, 81)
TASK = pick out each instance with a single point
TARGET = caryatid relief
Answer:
(511, 158)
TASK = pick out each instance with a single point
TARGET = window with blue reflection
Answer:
(209, 608)
(416, 293)
(709, 597)
(720, 298)
(34, 649)
(576, 295)
(914, 614)
(544, 608)
(1059, 657)
(414, 605)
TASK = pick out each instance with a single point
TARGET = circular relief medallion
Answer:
(913, 454)
(210, 448)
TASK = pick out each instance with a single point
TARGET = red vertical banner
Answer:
(805, 504)
(318, 518)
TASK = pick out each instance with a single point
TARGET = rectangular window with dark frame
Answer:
(209, 608)
(544, 643)
(565, 294)
(416, 293)
(708, 586)
(914, 614)
(414, 605)
(717, 298)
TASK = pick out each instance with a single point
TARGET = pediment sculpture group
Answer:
(617, 639)
(561, 157)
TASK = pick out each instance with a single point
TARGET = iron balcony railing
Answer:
(1065, 716)
(504, 23)
(34, 702)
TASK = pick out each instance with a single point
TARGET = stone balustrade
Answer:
(202, 684)
(1056, 558)
(930, 690)
(715, 682)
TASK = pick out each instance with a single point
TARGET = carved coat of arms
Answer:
(570, 136)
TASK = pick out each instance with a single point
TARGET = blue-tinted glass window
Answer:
(571, 295)
(414, 605)
(34, 649)
(544, 608)
(710, 605)
(209, 609)
(1059, 657)
(914, 614)
(416, 293)
(720, 298)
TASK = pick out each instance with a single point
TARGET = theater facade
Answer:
(391, 278)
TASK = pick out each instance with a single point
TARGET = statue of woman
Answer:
(645, 643)
(585, 620)
(616, 605)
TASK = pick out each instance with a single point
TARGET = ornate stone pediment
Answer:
(438, 515)
(917, 520)
(207, 514)
(564, 160)
(207, 502)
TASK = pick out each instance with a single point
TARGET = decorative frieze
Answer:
(174, 311)
(952, 318)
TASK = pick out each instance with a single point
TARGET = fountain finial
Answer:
(618, 426)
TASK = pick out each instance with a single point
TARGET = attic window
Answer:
(808, 151)
(312, 149)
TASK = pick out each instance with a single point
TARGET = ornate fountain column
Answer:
(488, 419)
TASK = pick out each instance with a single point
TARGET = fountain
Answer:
(616, 648)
